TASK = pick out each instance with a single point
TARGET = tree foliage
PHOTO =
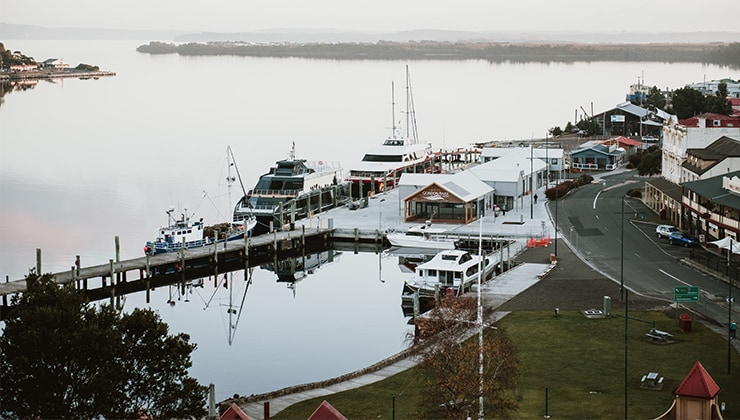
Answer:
(687, 102)
(719, 104)
(655, 99)
(62, 357)
(650, 162)
(9, 58)
(450, 352)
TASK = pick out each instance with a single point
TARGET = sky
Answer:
(378, 15)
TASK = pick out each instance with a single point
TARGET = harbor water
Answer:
(84, 161)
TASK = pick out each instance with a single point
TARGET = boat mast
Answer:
(411, 130)
(393, 110)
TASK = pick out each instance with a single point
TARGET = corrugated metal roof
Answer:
(711, 188)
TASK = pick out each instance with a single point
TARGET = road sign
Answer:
(685, 294)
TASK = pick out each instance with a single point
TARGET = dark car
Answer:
(678, 238)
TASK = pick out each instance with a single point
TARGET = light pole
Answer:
(729, 312)
(621, 257)
(531, 182)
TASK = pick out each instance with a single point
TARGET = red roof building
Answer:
(696, 397)
(711, 120)
(326, 411)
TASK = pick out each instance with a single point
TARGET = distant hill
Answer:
(9, 31)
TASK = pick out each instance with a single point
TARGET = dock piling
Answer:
(38, 261)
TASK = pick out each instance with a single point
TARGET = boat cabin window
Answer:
(471, 270)
(449, 257)
(382, 158)
(465, 258)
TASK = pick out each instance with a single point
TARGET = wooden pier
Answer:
(142, 274)
(117, 278)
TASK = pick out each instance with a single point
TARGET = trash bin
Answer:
(684, 322)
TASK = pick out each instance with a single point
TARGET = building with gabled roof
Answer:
(693, 133)
(326, 411)
(711, 207)
(628, 119)
(696, 397)
(450, 198)
(596, 156)
(720, 157)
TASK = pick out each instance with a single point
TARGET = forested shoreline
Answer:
(722, 54)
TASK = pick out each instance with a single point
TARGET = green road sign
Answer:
(685, 294)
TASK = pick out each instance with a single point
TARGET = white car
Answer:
(664, 231)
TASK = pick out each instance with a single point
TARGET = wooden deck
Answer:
(145, 272)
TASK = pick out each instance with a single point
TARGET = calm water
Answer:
(82, 161)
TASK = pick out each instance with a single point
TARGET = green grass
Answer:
(581, 363)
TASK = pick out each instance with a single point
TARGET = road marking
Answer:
(674, 278)
(596, 198)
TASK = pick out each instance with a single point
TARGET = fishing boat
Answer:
(422, 236)
(381, 167)
(293, 189)
(184, 232)
(449, 269)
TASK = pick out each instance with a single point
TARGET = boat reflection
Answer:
(293, 270)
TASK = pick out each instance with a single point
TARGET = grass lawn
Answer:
(580, 361)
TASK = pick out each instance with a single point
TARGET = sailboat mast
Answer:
(408, 103)
(393, 110)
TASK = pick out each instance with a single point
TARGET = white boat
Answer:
(182, 232)
(449, 269)
(422, 236)
(382, 166)
(293, 189)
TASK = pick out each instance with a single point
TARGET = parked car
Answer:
(664, 231)
(678, 238)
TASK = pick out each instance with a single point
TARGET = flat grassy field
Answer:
(581, 363)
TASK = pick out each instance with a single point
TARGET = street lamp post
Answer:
(729, 313)
(531, 182)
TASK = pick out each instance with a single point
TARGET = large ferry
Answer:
(293, 189)
(382, 166)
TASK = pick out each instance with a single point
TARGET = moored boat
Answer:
(183, 232)
(381, 167)
(422, 236)
(450, 269)
(293, 189)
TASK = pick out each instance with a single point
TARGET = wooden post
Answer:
(38, 261)
(118, 249)
(77, 264)
(74, 278)
(148, 271)
(215, 255)
(112, 289)
(148, 291)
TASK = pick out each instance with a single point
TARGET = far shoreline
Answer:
(53, 74)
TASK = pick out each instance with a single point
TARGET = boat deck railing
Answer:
(274, 193)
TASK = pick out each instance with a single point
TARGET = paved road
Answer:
(589, 218)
